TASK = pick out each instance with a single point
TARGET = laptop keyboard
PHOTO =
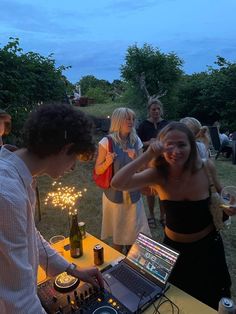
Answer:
(132, 281)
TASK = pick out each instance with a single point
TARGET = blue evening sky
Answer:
(93, 35)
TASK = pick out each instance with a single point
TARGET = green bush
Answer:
(98, 94)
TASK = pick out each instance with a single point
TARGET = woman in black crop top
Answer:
(179, 178)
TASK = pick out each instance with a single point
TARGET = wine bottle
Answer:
(76, 242)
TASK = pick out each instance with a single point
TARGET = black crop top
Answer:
(187, 216)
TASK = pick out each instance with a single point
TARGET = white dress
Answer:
(123, 221)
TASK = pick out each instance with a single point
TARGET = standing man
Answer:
(55, 137)
(148, 131)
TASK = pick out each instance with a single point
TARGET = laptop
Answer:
(141, 277)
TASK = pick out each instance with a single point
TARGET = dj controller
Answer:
(65, 295)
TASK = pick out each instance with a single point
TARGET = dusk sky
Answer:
(93, 35)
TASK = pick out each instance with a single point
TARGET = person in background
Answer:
(224, 140)
(148, 131)
(232, 136)
(123, 212)
(55, 137)
(201, 135)
(5, 125)
(181, 181)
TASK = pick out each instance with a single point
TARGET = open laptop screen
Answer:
(154, 258)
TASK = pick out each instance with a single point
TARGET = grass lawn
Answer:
(101, 110)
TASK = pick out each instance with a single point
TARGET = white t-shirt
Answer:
(104, 143)
(202, 150)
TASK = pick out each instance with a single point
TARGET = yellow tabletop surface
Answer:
(185, 303)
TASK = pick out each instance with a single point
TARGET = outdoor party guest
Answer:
(226, 148)
(224, 138)
(5, 124)
(148, 131)
(201, 134)
(123, 212)
(55, 136)
(181, 181)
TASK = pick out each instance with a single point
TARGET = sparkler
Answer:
(64, 197)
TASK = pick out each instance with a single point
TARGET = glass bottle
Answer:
(76, 242)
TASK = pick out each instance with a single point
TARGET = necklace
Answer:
(123, 143)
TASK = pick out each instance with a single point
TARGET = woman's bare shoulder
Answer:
(210, 164)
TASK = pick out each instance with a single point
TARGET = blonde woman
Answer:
(123, 212)
(201, 134)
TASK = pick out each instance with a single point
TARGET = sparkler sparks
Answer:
(64, 197)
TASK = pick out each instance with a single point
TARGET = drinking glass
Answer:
(58, 242)
(228, 199)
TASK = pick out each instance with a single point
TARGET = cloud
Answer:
(32, 18)
(201, 52)
(127, 7)
(101, 59)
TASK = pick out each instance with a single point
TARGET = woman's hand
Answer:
(131, 153)
(155, 149)
(110, 158)
(230, 211)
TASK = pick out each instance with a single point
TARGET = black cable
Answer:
(159, 297)
(173, 305)
(155, 307)
(166, 301)
(140, 299)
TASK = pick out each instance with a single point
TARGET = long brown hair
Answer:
(191, 163)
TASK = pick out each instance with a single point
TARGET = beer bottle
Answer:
(76, 244)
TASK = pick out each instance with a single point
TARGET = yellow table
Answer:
(185, 303)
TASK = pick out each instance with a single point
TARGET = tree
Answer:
(161, 70)
(27, 79)
(90, 81)
(98, 94)
(210, 95)
(117, 89)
